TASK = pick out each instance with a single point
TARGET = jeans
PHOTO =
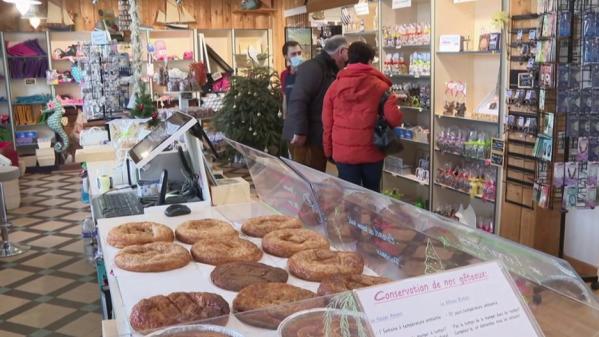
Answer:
(367, 175)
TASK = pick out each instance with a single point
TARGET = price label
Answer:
(30, 81)
(397, 4)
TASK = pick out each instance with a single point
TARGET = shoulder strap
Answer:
(382, 101)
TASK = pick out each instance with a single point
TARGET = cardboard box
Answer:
(30, 161)
(95, 153)
(230, 191)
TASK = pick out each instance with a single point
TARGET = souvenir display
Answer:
(412, 34)
(467, 143)
(476, 180)
(455, 99)
(101, 83)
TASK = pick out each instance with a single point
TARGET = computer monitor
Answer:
(160, 138)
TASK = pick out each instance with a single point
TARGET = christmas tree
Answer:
(251, 112)
(144, 106)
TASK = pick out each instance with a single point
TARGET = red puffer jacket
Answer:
(350, 111)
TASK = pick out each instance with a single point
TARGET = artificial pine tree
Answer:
(251, 111)
(144, 106)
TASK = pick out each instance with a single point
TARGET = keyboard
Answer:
(118, 204)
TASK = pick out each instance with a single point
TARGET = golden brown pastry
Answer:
(178, 308)
(152, 257)
(340, 283)
(262, 225)
(318, 264)
(192, 231)
(286, 242)
(269, 300)
(139, 233)
(217, 251)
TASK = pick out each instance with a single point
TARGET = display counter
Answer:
(395, 240)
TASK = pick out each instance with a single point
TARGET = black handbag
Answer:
(384, 137)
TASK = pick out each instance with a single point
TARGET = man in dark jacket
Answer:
(303, 125)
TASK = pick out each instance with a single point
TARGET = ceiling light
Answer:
(23, 6)
(35, 22)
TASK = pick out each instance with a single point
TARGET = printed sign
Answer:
(397, 4)
(99, 37)
(30, 81)
(362, 8)
(467, 302)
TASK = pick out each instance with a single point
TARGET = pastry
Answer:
(152, 257)
(312, 324)
(318, 264)
(139, 233)
(221, 250)
(191, 231)
(262, 225)
(286, 242)
(238, 275)
(264, 304)
(340, 283)
(178, 308)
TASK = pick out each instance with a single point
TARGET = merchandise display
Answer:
(475, 180)
(471, 144)
(100, 85)
(403, 35)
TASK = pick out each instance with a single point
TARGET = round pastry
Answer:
(217, 251)
(152, 257)
(318, 264)
(139, 233)
(286, 242)
(238, 275)
(199, 334)
(311, 323)
(341, 283)
(178, 308)
(192, 231)
(269, 300)
(262, 225)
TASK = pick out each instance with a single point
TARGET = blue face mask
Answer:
(296, 61)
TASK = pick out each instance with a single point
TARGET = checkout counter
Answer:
(393, 238)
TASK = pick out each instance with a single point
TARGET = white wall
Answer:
(582, 236)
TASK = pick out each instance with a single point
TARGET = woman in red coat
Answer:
(349, 116)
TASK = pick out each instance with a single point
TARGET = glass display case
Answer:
(395, 240)
(251, 45)
(171, 51)
(467, 80)
(406, 61)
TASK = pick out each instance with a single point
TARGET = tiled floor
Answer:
(52, 289)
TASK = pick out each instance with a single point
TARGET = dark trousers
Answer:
(367, 175)
(309, 155)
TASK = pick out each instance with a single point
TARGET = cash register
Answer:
(149, 158)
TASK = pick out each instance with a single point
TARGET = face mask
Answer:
(296, 61)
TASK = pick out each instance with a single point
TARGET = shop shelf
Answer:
(441, 116)
(480, 197)
(409, 177)
(457, 154)
(409, 77)
(413, 108)
(471, 52)
(413, 46)
(368, 32)
(407, 140)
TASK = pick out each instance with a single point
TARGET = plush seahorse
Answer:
(52, 115)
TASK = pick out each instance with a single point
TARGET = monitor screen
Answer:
(160, 134)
